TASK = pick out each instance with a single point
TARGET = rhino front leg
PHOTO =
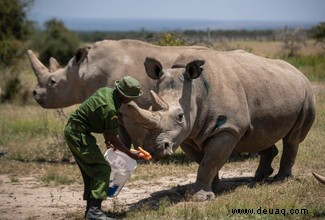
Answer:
(189, 148)
(217, 151)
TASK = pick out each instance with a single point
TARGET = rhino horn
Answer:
(320, 178)
(39, 69)
(146, 118)
(54, 65)
(157, 102)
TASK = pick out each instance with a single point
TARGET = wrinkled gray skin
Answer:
(97, 66)
(213, 103)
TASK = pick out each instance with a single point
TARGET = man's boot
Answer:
(95, 212)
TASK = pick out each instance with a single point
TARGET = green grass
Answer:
(312, 66)
(56, 178)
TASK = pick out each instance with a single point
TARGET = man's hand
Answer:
(141, 153)
(109, 145)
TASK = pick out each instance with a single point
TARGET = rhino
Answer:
(94, 67)
(214, 103)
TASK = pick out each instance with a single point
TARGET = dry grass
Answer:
(274, 48)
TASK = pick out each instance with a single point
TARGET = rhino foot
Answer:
(282, 176)
(261, 175)
(202, 195)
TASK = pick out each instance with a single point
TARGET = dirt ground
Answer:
(28, 198)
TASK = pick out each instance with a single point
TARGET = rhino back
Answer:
(110, 60)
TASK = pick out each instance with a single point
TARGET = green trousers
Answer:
(93, 166)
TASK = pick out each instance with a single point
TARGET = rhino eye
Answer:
(52, 82)
(180, 116)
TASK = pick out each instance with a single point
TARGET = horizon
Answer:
(157, 25)
(268, 11)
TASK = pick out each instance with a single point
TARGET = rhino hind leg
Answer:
(265, 169)
(296, 135)
(287, 161)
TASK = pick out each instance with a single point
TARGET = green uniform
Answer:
(97, 114)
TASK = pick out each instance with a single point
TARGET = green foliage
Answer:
(168, 39)
(318, 32)
(13, 87)
(57, 42)
(312, 66)
(13, 22)
(14, 29)
(56, 178)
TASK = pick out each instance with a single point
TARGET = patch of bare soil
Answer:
(28, 198)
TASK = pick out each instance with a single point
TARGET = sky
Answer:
(234, 10)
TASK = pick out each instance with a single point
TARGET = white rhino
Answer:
(97, 66)
(214, 103)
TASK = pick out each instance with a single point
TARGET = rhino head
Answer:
(173, 112)
(56, 87)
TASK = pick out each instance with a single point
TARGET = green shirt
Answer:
(98, 113)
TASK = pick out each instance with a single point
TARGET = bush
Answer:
(57, 42)
(15, 28)
(168, 39)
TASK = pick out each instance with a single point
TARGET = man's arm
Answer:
(118, 144)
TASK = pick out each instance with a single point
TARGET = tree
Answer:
(14, 28)
(293, 40)
(318, 33)
(58, 42)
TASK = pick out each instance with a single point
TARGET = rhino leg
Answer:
(287, 160)
(189, 148)
(217, 151)
(265, 169)
(296, 135)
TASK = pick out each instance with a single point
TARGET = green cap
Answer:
(129, 87)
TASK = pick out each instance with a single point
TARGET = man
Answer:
(98, 114)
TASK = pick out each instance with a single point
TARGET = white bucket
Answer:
(122, 166)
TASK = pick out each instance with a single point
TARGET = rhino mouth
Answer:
(168, 152)
(38, 99)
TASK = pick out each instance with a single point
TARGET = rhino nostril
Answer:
(34, 93)
(166, 145)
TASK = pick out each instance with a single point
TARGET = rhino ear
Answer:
(81, 54)
(153, 68)
(193, 69)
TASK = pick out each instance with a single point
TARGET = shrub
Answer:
(168, 39)
(58, 42)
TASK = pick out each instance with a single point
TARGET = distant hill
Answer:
(172, 25)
